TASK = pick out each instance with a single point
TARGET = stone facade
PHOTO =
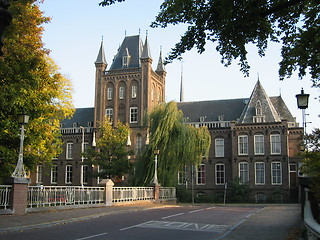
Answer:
(255, 139)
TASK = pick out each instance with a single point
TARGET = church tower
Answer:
(130, 88)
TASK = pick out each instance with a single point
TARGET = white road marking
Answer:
(138, 225)
(174, 215)
(92, 236)
(194, 211)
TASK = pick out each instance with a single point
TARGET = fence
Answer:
(41, 196)
(313, 228)
(129, 194)
(167, 193)
(5, 191)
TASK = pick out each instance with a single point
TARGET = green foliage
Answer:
(179, 145)
(311, 161)
(234, 24)
(111, 154)
(239, 193)
(30, 81)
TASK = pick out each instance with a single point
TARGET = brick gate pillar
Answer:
(19, 195)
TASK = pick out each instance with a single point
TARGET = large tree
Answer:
(111, 154)
(30, 82)
(179, 145)
(234, 24)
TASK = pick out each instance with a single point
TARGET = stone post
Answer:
(108, 184)
(19, 195)
(156, 192)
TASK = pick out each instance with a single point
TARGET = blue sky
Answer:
(74, 37)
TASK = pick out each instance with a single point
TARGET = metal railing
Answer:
(5, 191)
(45, 196)
(167, 193)
(128, 194)
(313, 228)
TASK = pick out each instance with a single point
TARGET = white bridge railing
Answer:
(167, 193)
(46, 196)
(129, 194)
(5, 191)
(313, 227)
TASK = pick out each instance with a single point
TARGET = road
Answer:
(183, 222)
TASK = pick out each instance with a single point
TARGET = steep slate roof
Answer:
(282, 109)
(134, 45)
(82, 116)
(268, 111)
(230, 109)
(101, 58)
(146, 50)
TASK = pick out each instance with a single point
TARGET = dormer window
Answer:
(258, 109)
(126, 58)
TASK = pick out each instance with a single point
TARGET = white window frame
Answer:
(109, 93)
(182, 177)
(133, 115)
(121, 92)
(109, 113)
(85, 174)
(220, 174)
(275, 144)
(259, 170)
(39, 174)
(69, 150)
(259, 144)
(243, 144)
(69, 174)
(276, 173)
(201, 174)
(54, 174)
(243, 170)
(219, 147)
(134, 91)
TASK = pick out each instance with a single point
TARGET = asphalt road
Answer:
(185, 223)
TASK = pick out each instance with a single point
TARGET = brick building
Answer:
(255, 139)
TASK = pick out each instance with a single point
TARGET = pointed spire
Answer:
(146, 49)
(160, 66)
(181, 84)
(101, 56)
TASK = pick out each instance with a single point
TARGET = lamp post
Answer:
(20, 172)
(82, 151)
(302, 101)
(155, 177)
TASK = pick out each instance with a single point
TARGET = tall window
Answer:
(276, 173)
(201, 174)
(109, 93)
(68, 179)
(244, 172)
(54, 174)
(182, 176)
(69, 151)
(85, 147)
(138, 143)
(121, 92)
(109, 113)
(134, 91)
(133, 115)
(258, 109)
(260, 173)
(275, 144)
(39, 173)
(220, 174)
(219, 147)
(85, 174)
(243, 145)
(258, 144)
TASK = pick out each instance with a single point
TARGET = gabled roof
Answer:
(101, 58)
(229, 109)
(132, 45)
(268, 111)
(82, 116)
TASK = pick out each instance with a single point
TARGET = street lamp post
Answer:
(20, 172)
(155, 177)
(302, 102)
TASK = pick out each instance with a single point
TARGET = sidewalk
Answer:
(46, 219)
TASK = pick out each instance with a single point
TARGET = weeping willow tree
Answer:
(179, 145)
